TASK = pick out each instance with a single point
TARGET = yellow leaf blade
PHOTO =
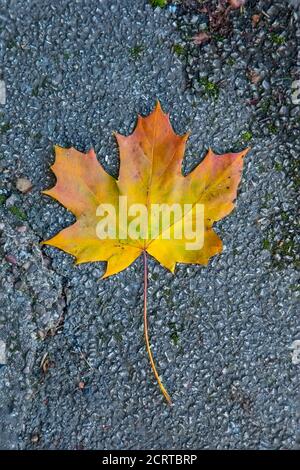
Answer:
(80, 240)
(81, 181)
(170, 252)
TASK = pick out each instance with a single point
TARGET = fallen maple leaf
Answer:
(254, 77)
(236, 3)
(150, 173)
(256, 19)
(201, 38)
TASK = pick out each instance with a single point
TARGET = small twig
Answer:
(85, 360)
(265, 14)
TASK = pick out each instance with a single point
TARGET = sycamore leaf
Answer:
(150, 177)
(150, 173)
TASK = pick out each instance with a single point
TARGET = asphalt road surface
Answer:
(74, 373)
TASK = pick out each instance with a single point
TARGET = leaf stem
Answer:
(162, 388)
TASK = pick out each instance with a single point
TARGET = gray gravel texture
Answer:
(75, 71)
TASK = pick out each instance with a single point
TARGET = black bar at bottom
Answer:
(137, 458)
